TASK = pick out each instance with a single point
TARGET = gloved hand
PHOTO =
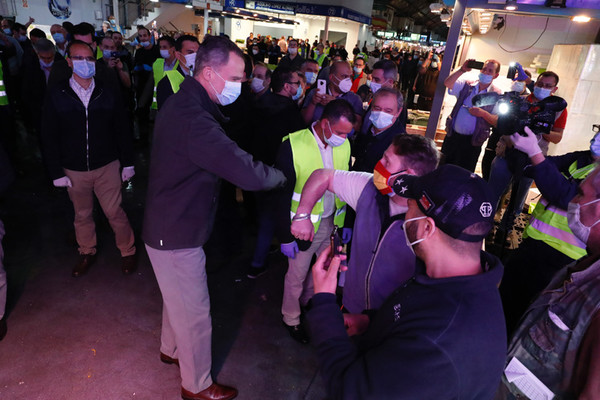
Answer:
(127, 173)
(62, 182)
(527, 144)
(346, 235)
(290, 249)
(521, 76)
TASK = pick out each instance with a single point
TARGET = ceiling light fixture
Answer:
(189, 4)
(436, 8)
(511, 5)
(581, 18)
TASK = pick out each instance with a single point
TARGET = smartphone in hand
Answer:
(321, 86)
(475, 64)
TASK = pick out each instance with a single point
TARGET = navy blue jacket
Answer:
(432, 339)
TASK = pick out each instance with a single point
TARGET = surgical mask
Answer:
(357, 70)
(46, 65)
(595, 145)
(420, 62)
(8, 31)
(190, 60)
(375, 87)
(517, 86)
(164, 53)
(381, 119)
(434, 65)
(257, 85)
(22, 38)
(255, 51)
(580, 231)
(541, 93)
(381, 179)
(293, 50)
(84, 69)
(231, 91)
(298, 93)
(106, 53)
(345, 85)
(485, 79)
(311, 77)
(334, 140)
(408, 242)
(145, 44)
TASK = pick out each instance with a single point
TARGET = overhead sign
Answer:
(281, 8)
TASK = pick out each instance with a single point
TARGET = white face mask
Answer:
(345, 85)
(293, 50)
(190, 60)
(255, 51)
(231, 91)
(357, 70)
(408, 242)
(375, 86)
(164, 53)
(257, 85)
(517, 86)
(580, 231)
(381, 119)
(334, 140)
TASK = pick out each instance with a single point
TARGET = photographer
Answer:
(110, 61)
(468, 127)
(508, 163)
(548, 243)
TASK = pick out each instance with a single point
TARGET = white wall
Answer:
(81, 11)
(579, 69)
(521, 32)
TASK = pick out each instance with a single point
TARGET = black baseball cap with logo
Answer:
(453, 197)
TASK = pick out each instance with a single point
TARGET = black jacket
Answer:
(190, 154)
(66, 143)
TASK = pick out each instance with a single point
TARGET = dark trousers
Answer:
(458, 150)
(526, 273)
(489, 153)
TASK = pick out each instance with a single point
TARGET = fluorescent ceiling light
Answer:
(581, 18)
(511, 5)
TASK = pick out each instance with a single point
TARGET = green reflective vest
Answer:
(3, 95)
(307, 158)
(321, 58)
(175, 78)
(98, 52)
(550, 225)
(158, 70)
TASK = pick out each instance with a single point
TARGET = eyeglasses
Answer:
(545, 86)
(81, 58)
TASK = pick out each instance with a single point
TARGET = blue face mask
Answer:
(311, 77)
(485, 79)
(541, 93)
(106, 53)
(8, 31)
(22, 38)
(84, 69)
(46, 65)
(298, 93)
(58, 38)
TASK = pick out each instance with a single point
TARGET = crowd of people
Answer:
(402, 301)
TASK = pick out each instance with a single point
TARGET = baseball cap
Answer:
(453, 197)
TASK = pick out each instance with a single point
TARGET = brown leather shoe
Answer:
(83, 265)
(168, 360)
(213, 392)
(129, 264)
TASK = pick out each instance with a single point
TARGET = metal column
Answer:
(326, 32)
(449, 54)
(206, 19)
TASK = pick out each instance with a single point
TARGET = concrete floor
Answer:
(97, 337)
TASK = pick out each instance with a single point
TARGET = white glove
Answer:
(62, 182)
(127, 173)
(527, 144)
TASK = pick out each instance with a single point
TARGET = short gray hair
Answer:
(385, 91)
(43, 45)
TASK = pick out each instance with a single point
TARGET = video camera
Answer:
(515, 112)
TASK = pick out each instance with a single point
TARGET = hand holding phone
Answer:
(475, 64)
(321, 86)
